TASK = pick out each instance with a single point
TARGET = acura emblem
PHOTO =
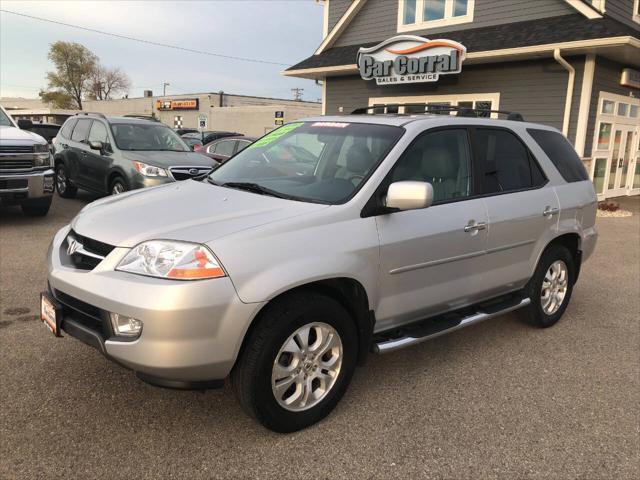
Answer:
(193, 171)
(72, 246)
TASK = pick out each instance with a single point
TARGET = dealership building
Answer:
(245, 114)
(571, 64)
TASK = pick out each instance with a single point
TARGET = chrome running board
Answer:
(387, 346)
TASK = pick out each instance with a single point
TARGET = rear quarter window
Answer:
(561, 154)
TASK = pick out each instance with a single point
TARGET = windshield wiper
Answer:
(256, 188)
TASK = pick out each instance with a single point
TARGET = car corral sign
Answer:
(182, 104)
(410, 59)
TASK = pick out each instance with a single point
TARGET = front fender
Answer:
(266, 262)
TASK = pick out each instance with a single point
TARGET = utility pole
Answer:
(164, 89)
(297, 94)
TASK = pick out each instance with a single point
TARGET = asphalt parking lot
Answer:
(496, 400)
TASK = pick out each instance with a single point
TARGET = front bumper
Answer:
(192, 331)
(18, 187)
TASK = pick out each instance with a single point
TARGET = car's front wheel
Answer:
(118, 186)
(297, 362)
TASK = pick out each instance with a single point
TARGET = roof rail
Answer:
(431, 108)
(97, 114)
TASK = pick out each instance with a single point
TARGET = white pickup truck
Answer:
(26, 168)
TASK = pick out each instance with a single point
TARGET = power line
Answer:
(149, 42)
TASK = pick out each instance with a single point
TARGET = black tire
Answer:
(63, 185)
(37, 208)
(535, 313)
(251, 377)
(118, 185)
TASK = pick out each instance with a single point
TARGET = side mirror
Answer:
(96, 146)
(409, 195)
(25, 124)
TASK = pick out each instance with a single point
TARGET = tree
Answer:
(106, 82)
(75, 65)
(58, 99)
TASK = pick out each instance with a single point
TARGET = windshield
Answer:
(142, 136)
(324, 162)
(5, 121)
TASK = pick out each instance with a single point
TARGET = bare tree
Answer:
(108, 82)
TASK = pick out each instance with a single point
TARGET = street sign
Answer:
(279, 117)
(202, 122)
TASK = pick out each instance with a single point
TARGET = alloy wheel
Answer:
(307, 366)
(117, 188)
(61, 180)
(554, 287)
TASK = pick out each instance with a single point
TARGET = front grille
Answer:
(83, 313)
(13, 184)
(88, 253)
(16, 164)
(16, 148)
(185, 173)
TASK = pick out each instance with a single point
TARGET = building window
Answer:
(633, 111)
(608, 107)
(438, 104)
(421, 14)
(623, 108)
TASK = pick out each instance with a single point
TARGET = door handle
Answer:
(474, 227)
(550, 212)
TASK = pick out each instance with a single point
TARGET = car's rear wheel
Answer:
(297, 362)
(550, 287)
(118, 186)
(63, 185)
(37, 208)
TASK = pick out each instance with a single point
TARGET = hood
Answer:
(16, 136)
(189, 210)
(170, 159)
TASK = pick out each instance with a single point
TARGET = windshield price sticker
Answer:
(330, 124)
(274, 135)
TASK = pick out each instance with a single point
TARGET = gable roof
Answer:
(555, 30)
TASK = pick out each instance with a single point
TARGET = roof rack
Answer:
(97, 114)
(431, 108)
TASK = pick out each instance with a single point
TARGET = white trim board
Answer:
(585, 103)
(340, 27)
(589, 12)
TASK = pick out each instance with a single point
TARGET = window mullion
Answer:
(419, 12)
(448, 9)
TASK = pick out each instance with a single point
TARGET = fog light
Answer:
(48, 184)
(124, 326)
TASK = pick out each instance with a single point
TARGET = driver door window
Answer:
(225, 148)
(441, 158)
(98, 133)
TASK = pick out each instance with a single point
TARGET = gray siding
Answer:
(336, 10)
(537, 89)
(606, 78)
(621, 10)
(378, 19)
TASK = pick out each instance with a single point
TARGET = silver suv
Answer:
(406, 228)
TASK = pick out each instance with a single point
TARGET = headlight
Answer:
(171, 259)
(149, 170)
(42, 156)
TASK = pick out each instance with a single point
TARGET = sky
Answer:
(283, 31)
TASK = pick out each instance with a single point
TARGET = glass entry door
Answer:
(622, 159)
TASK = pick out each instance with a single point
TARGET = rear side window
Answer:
(67, 128)
(506, 164)
(225, 148)
(561, 154)
(80, 132)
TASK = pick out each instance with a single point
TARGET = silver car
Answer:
(405, 228)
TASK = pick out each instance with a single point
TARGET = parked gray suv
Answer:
(408, 227)
(116, 154)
